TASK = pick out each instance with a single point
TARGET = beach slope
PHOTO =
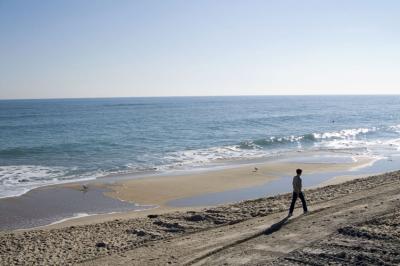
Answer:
(361, 226)
(348, 223)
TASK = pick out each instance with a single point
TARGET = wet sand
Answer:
(163, 190)
(108, 199)
(48, 205)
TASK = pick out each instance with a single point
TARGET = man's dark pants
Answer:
(294, 198)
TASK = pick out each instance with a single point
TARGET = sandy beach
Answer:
(160, 190)
(147, 238)
(165, 193)
(128, 196)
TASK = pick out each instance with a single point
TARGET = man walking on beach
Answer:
(297, 193)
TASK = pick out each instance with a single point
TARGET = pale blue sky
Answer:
(56, 49)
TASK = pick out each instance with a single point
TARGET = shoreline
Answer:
(213, 167)
(159, 192)
(96, 218)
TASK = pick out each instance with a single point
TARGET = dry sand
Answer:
(247, 232)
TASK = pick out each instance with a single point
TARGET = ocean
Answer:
(54, 141)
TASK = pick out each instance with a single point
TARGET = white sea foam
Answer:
(344, 134)
(201, 157)
(357, 138)
(16, 180)
(395, 128)
(75, 216)
(350, 139)
(343, 139)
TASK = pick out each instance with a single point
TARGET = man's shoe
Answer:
(290, 214)
(306, 212)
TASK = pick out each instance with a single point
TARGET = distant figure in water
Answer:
(297, 193)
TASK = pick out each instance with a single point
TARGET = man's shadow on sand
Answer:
(275, 227)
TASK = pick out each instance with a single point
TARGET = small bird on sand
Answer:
(255, 169)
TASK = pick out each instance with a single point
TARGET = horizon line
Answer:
(193, 96)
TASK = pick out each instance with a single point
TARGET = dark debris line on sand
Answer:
(82, 243)
(374, 242)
